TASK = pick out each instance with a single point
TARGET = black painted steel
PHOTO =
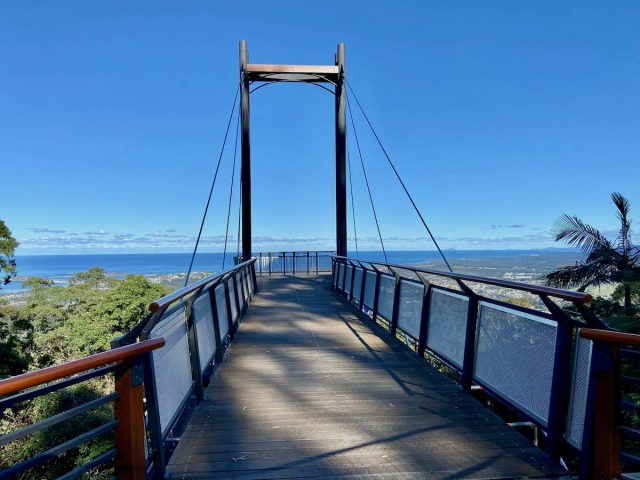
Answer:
(245, 141)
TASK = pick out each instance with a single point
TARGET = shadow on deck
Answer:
(309, 390)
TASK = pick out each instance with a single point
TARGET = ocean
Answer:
(522, 264)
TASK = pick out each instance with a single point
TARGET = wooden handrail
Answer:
(38, 377)
(579, 297)
(619, 338)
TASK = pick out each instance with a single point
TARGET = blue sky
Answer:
(500, 115)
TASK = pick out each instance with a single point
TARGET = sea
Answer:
(525, 265)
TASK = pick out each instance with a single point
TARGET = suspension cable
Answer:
(364, 171)
(233, 175)
(353, 208)
(213, 184)
(399, 178)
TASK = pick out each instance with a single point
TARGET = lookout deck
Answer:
(311, 390)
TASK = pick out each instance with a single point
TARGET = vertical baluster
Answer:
(362, 286)
(227, 296)
(470, 343)
(213, 303)
(424, 319)
(194, 354)
(376, 297)
(393, 327)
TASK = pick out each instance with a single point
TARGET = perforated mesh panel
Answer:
(447, 326)
(232, 300)
(514, 356)
(340, 275)
(385, 296)
(250, 282)
(172, 366)
(369, 289)
(357, 283)
(347, 279)
(410, 308)
(579, 391)
(240, 283)
(221, 307)
(204, 328)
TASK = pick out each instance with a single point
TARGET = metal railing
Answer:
(300, 262)
(154, 386)
(198, 323)
(532, 360)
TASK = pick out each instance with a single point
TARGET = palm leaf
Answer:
(624, 237)
(582, 275)
(575, 232)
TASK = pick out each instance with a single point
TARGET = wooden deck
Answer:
(309, 390)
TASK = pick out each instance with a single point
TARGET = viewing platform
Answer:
(311, 390)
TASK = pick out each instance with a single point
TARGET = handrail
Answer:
(619, 338)
(184, 291)
(38, 377)
(578, 297)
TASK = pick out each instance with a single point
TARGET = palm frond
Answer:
(575, 232)
(581, 275)
(624, 237)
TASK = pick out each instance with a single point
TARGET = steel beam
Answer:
(245, 170)
(341, 156)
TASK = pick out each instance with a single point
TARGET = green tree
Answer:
(8, 246)
(614, 262)
(34, 282)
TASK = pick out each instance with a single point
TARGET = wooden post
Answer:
(129, 412)
(606, 438)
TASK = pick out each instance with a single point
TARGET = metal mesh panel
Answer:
(385, 296)
(172, 366)
(369, 289)
(447, 326)
(347, 279)
(340, 275)
(241, 298)
(232, 300)
(203, 321)
(410, 308)
(514, 356)
(250, 282)
(221, 307)
(245, 279)
(579, 391)
(357, 283)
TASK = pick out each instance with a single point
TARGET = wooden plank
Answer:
(311, 390)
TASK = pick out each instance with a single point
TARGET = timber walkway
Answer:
(311, 389)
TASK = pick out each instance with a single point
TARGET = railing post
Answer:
(269, 263)
(157, 452)
(396, 306)
(317, 267)
(601, 446)
(213, 302)
(470, 343)
(253, 278)
(351, 282)
(284, 263)
(362, 285)
(376, 297)
(227, 296)
(560, 390)
(236, 299)
(130, 463)
(344, 277)
(307, 263)
(424, 319)
(192, 339)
